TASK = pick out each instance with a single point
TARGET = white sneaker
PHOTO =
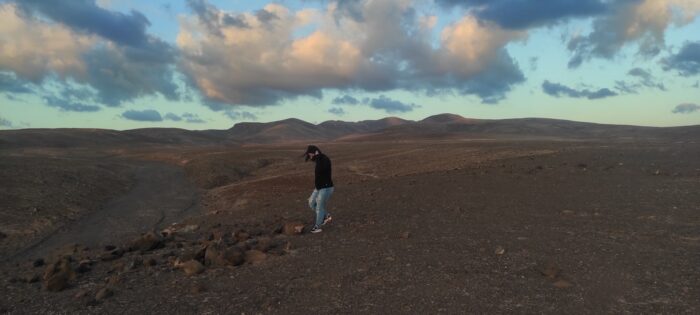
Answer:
(316, 229)
(327, 220)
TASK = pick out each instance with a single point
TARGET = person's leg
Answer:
(323, 196)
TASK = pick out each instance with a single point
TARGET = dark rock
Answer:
(110, 248)
(112, 255)
(38, 262)
(84, 266)
(2, 235)
(150, 262)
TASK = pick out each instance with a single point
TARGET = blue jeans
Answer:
(317, 202)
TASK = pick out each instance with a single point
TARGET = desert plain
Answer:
(445, 215)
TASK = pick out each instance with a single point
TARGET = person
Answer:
(323, 186)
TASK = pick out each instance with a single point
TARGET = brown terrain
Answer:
(444, 215)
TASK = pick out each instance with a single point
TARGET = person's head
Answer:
(311, 152)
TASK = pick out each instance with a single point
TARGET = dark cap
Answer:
(311, 149)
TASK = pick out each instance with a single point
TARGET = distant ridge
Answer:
(292, 130)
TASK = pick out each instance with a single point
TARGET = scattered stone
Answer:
(84, 266)
(147, 242)
(405, 235)
(133, 264)
(81, 294)
(293, 228)
(214, 256)
(103, 294)
(150, 262)
(194, 254)
(500, 250)
(38, 262)
(568, 212)
(113, 280)
(550, 271)
(264, 244)
(112, 255)
(241, 235)
(255, 256)
(56, 282)
(234, 256)
(32, 278)
(190, 267)
(562, 284)
(198, 288)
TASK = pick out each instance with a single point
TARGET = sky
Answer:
(208, 64)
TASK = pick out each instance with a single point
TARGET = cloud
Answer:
(348, 46)
(686, 108)
(173, 117)
(86, 16)
(686, 62)
(646, 79)
(5, 123)
(522, 14)
(106, 51)
(345, 99)
(631, 21)
(143, 115)
(558, 90)
(192, 118)
(11, 84)
(213, 18)
(68, 106)
(336, 111)
(240, 115)
(390, 106)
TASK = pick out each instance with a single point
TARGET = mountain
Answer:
(387, 129)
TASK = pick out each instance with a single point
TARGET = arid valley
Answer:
(445, 215)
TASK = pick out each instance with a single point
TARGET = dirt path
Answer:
(161, 195)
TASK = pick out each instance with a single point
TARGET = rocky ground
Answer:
(419, 227)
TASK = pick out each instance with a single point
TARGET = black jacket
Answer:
(323, 172)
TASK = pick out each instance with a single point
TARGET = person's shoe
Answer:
(327, 220)
(316, 229)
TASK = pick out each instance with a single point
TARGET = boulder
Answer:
(255, 256)
(190, 267)
(234, 256)
(146, 242)
(56, 282)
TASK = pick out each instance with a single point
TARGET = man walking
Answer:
(323, 186)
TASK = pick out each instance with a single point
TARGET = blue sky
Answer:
(198, 64)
